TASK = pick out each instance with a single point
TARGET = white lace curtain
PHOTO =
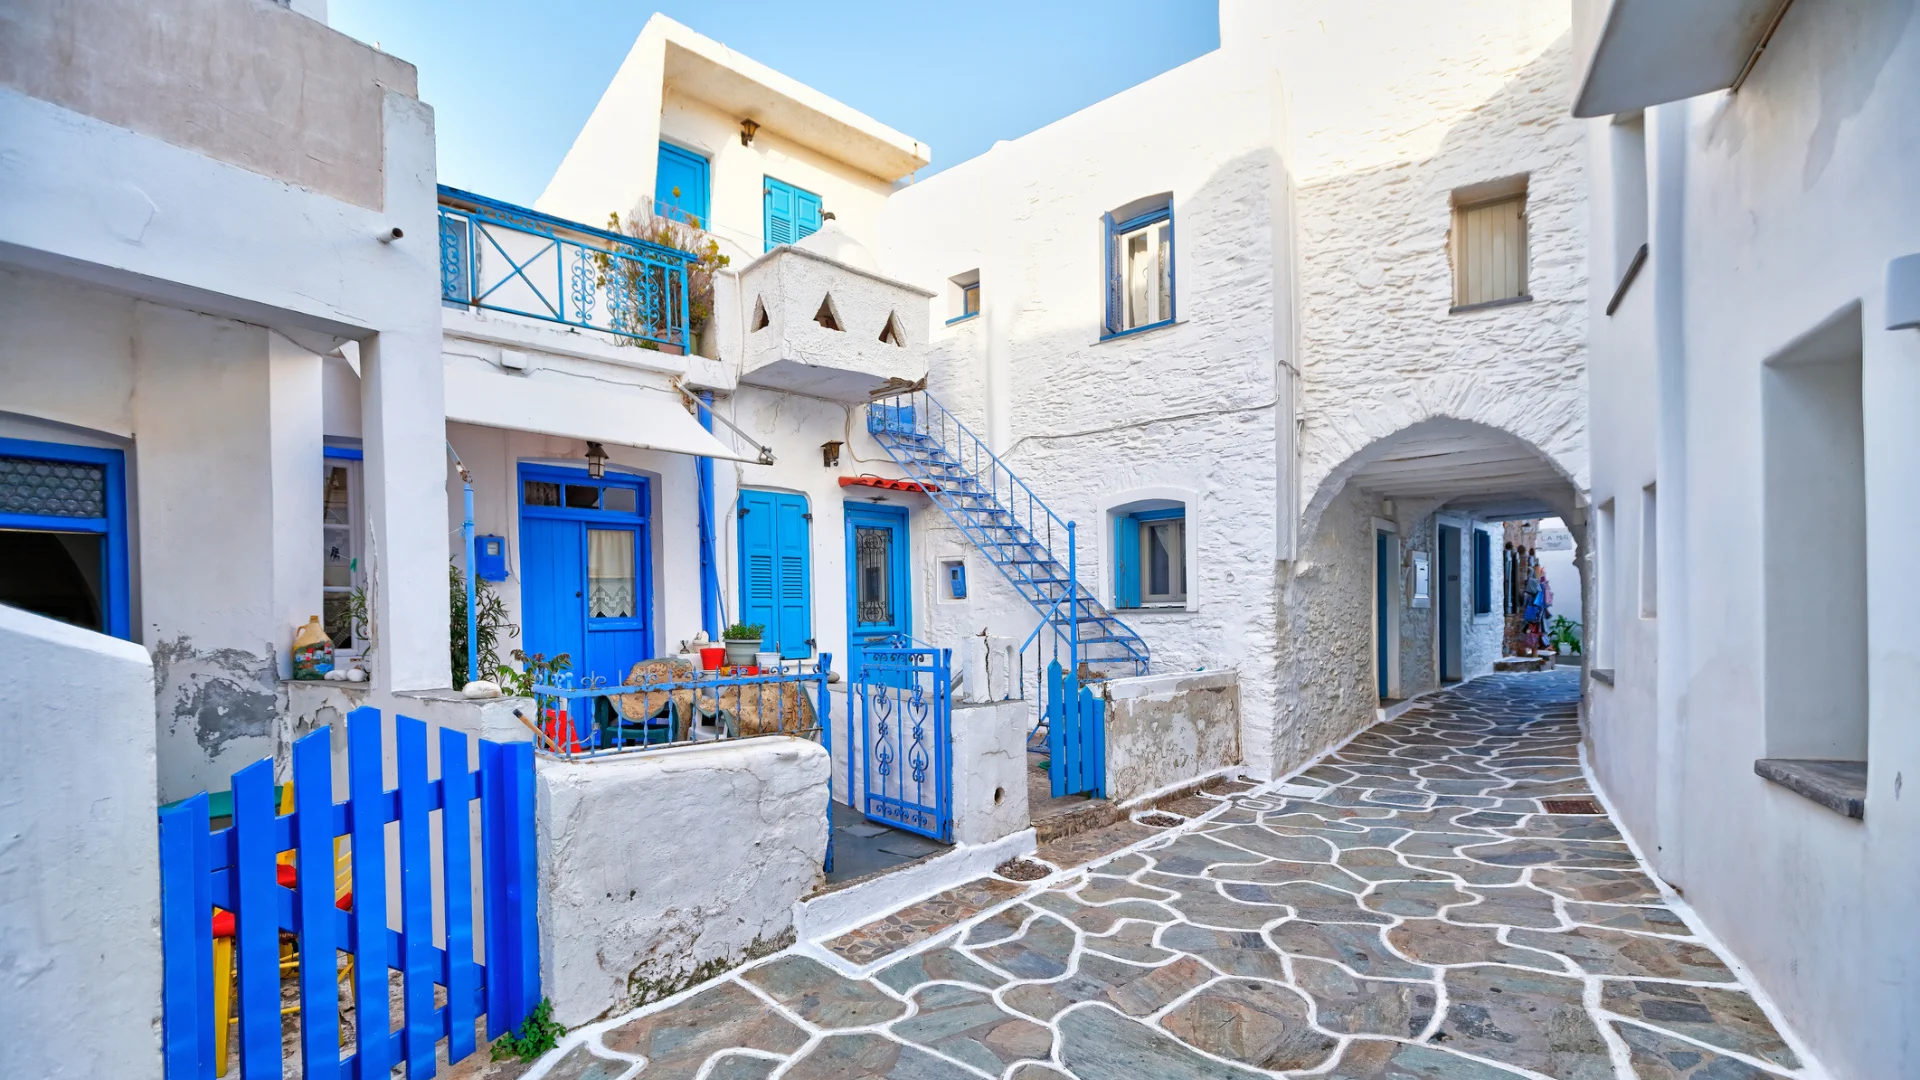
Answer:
(610, 574)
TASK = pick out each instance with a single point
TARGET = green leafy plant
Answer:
(687, 236)
(532, 671)
(490, 623)
(360, 622)
(536, 1035)
(1564, 631)
(744, 632)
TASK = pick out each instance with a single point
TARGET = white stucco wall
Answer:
(80, 884)
(989, 754)
(636, 903)
(1773, 210)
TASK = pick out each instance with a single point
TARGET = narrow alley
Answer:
(1441, 897)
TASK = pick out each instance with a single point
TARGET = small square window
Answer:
(963, 296)
(1150, 555)
(581, 497)
(1489, 245)
(970, 299)
(540, 493)
(624, 500)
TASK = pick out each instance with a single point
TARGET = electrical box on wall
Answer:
(957, 580)
(490, 557)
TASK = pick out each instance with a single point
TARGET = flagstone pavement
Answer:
(1404, 909)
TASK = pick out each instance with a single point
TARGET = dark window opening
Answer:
(54, 574)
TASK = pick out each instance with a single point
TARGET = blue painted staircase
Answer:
(1013, 529)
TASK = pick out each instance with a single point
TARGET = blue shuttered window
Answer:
(776, 574)
(680, 186)
(793, 214)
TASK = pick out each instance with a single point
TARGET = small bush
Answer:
(536, 1035)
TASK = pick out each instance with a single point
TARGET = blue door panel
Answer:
(680, 185)
(553, 576)
(863, 630)
(1381, 572)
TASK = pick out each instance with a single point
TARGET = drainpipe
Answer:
(466, 535)
(709, 564)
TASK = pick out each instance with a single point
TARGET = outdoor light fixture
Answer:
(747, 130)
(596, 460)
(830, 453)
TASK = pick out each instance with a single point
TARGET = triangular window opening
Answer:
(891, 333)
(759, 314)
(825, 316)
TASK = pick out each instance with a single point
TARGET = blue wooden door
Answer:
(879, 581)
(552, 582)
(776, 572)
(1449, 602)
(680, 186)
(586, 570)
(1381, 574)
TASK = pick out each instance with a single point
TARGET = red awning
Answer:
(889, 485)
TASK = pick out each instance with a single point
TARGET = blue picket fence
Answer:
(1076, 735)
(235, 869)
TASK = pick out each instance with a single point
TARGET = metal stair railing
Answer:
(1000, 514)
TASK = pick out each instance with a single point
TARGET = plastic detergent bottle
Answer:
(312, 651)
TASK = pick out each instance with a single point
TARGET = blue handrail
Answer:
(502, 257)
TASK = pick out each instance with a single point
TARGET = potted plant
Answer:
(743, 640)
(1564, 635)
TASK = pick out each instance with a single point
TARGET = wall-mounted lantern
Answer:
(596, 460)
(747, 130)
(830, 453)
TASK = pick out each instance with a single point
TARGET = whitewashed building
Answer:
(1754, 361)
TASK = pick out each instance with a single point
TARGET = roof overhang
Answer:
(702, 68)
(1650, 52)
(590, 410)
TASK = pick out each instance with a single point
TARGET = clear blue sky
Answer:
(512, 82)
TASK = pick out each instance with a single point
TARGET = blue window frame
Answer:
(681, 186)
(1139, 267)
(793, 214)
(1482, 572)
(74, 496)
(776, 572)
(1150, 558)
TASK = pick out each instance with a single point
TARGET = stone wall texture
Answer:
(660, 870)
(1164, 730)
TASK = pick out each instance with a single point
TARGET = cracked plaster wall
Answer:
(1164, 730)
(660, 870)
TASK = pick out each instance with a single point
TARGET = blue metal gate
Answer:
(903, 702)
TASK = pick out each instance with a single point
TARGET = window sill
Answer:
(1162, 325)
(1840, 786)
(1626, 279)
(962, 318)
(1602, 675)
(1462, 309)
(1153, 610)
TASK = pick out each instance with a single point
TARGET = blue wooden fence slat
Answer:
(313, 863)
(185, 926)
(492, 871)
(461, 977)
(525, 932)
(1097, 756)
(1056, 731)
(365, 786)
(416, 896)
(257, 925)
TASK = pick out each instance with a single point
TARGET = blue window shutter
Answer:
(1126, 561)
(806, 213)
(1113, 270)
(1482, 573)
(794, 587)
(793, 214)
(758, 591)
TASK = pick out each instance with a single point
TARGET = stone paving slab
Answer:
(1404, 910)
(922, 921)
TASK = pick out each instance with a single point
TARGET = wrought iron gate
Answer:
(903, 702)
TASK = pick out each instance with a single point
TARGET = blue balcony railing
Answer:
(502, 257)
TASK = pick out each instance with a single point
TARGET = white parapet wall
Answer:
(989, 770)
(1165, 730)
(661, 869)
(80, 878)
